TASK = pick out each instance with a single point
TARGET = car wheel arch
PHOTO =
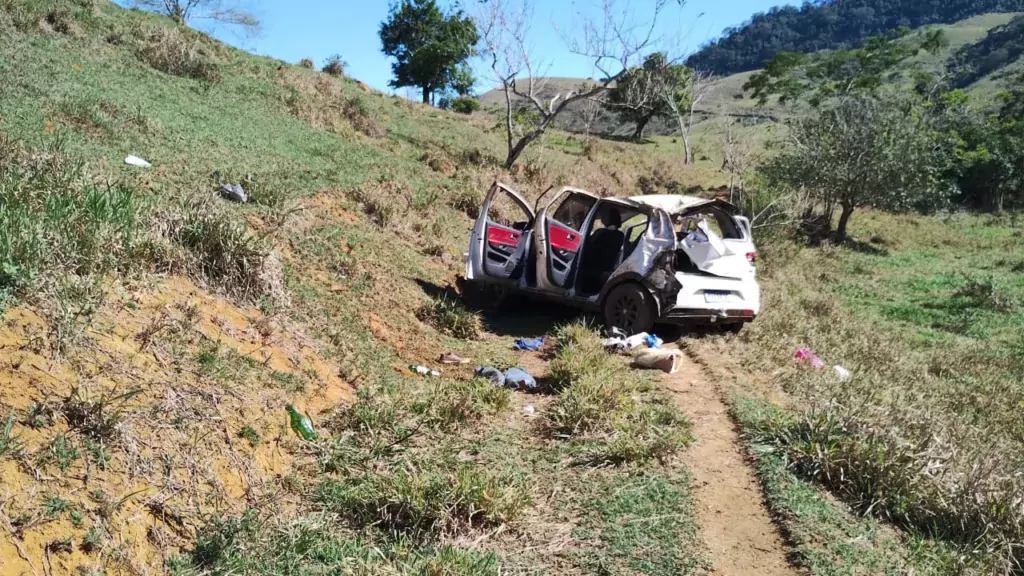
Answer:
(628, 278)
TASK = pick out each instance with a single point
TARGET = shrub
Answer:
(335, 66)
(985, 293)
(601, 398)
(465, 105)
(223, 250)
(55, 222)
(450, 317)
(453, 403)
(306, 63)
(418, 498)
(361, 118)
(172, 51)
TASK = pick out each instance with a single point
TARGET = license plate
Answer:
(715, 297)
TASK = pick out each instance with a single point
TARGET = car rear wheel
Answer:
(629, 307)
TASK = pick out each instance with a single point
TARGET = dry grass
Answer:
(176, 50)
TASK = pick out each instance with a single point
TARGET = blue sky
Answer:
(316, 29)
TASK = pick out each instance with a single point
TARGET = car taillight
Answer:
(748, 313)
(751, 257)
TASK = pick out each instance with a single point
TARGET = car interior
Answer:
(614, 233)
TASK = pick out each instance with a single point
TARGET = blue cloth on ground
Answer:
(492, 374)
(653, 341)
(519, 378)
(532, 344)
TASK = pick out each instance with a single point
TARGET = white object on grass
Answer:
(133, 160)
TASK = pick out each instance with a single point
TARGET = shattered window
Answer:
(573, 210)
(505, 211)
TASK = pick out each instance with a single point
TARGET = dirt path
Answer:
(739, 534)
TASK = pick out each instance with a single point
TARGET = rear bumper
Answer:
(705, 316)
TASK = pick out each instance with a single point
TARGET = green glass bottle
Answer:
(301, 424)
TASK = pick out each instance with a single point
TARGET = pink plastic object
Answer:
(804, 354)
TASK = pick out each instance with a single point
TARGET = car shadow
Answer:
(515, 316)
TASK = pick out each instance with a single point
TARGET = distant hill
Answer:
(1001, 48)
(982, 51)
(827, 25)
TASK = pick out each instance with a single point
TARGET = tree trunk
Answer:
(520, 147)
(844, 219)
(426, 94)
(641, 124)
(687, 151)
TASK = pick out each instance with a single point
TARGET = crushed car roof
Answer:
(676, 203)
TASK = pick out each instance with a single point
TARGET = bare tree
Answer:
(184, 12)
(612, 43)
(700, 83)
(590, 111)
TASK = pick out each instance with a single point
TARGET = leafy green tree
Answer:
(871, 140)
(650, 91)
(815, 78)
(430, 47)
(862, 151)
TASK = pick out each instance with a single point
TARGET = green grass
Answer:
(643, 524)
(358, 220)
(926, 314)
(828, 539)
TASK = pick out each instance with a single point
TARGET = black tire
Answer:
(629, 307)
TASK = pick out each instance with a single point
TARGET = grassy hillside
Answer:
(154, 332)
(828, 25)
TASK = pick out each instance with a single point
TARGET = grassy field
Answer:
(154, 332)
(927, 313)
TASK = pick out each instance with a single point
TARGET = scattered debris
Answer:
(529, 410)
(302, 425)
(658, 359)
(619, 343)
(233, 192)
(804, 354)
(531, 344)
(449, 358)
(520, 379)
(492, 374)
(653, 341)
(842, 373)
(133, 160)
(424, 371)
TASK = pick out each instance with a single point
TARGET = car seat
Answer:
(602, 253)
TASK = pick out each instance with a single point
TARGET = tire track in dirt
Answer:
(735, 526)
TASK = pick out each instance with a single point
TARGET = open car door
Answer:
(502, 235)
(558, 232)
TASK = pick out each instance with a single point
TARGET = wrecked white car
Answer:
(638, 261)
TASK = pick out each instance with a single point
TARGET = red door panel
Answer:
(563, 238)
(502, 236)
